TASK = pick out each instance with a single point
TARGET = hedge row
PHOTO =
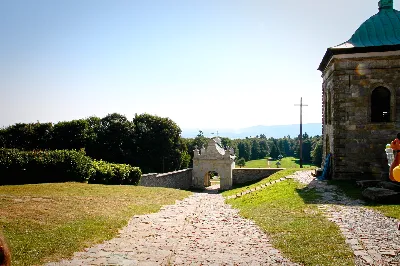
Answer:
(29, 167)
(114, 174)
(150, 142)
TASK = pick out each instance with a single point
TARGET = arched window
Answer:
(380, 105)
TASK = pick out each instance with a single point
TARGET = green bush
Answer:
(114, 174)
(241, 162)
(27, 167)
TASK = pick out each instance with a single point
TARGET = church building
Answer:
(360, 95)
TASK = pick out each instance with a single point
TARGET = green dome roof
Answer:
(380, 29)
(380, 33)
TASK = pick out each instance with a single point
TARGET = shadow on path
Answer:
(211, 189)
(327, 194)
(373, 237)
(346, 193)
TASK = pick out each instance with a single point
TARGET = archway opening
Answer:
(211, 178)
(215, 178)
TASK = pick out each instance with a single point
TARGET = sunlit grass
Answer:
(261, 163)
(295, 226)
(287, 162)
(46, 222)
(243, 187)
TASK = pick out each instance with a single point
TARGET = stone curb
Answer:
(238, 195)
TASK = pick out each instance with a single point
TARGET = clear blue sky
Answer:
(204, 64)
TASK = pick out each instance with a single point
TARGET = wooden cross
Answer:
(301, 130)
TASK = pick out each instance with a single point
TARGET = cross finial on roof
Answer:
(385, 4)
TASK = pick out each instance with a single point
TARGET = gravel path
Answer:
(200, 230)
(373, 237)
(203, 230)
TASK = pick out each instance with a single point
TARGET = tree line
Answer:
(149, 142)
(260, 147)
(152, 143)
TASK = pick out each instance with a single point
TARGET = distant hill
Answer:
(280, 131)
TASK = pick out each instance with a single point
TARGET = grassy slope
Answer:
(287, 162)
(298, 229)
(243, 187)
(46, 222)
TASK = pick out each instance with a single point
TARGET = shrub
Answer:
(114, 174)
(185, 160)
(27, 167)
(241, 162)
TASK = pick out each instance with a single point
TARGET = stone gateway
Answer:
(213, 158)
(360, 94)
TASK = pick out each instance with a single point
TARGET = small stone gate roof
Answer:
(379, 33)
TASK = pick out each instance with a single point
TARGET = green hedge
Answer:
(28, 167)
(114, 174)
(24, 167)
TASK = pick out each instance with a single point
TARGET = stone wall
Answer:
(181, 179)
(243, 175)
(357, 144)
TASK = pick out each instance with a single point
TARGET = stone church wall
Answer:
(358, 144)
(243, 175)
(181, 179)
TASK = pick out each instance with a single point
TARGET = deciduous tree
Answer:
(157, 142)
(255, 150)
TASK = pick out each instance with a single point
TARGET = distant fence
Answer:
(181, 179)
(244, 175)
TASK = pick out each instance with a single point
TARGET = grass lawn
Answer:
(262, 163)
(296, 228)
(353, 191)
(46, 222)
(287, 162)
